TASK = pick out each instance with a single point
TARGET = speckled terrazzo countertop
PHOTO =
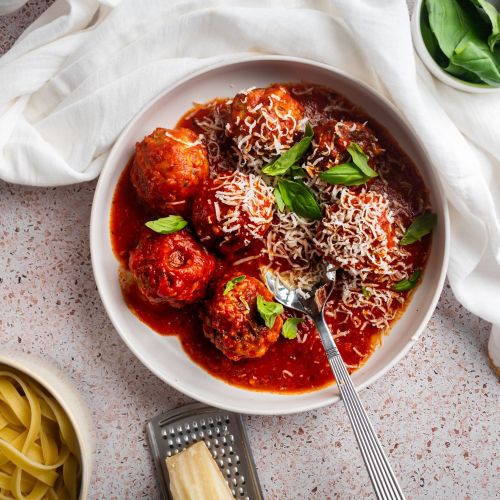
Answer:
(437, 411)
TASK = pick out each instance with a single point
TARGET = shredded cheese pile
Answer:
(249, 199)
(358, 235)
(264, 133)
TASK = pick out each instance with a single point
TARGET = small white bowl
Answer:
(57, 384)
(433, 66)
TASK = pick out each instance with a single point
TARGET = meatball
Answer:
(264, 123)
(171, 268)
(169, 167)
(332, 138)
(233, 323)
(233, 210)
(358, 235)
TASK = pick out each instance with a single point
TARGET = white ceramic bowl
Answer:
(56, 383)
(433, 66)
(164, 355)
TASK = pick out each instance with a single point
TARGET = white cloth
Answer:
(84, 68)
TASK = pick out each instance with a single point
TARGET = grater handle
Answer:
(381, 474)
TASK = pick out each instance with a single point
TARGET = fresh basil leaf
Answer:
(167, 225)
(361, 160)
(299, 199)
(268, 311)
(290, 327)
(474, 55)
(297, 172)
(281, 165)
(449, 23)
(420, 226)
(232, 283)
(279, 200)
(494, 19)
(430, 40)
(353, 173)
(347, 174)
(366, 293)
(405, 285)
(458, 31)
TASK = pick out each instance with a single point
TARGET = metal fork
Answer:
(382, 476)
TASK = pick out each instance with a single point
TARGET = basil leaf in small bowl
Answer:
(299, 199)
(422, 225)
(268, 311)
(232, 283)
(167, 225)
(408, 284)
(290, 328)
(281, 165)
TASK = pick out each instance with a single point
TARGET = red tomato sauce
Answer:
(289, 366)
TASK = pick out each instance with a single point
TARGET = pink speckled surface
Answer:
(436, 412)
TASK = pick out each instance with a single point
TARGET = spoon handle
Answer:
(383, 479)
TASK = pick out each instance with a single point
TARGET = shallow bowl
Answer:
(164, 356)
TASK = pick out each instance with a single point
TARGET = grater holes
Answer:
(226, 419)
(171, 431)
(211, 422)
(236, 471)
(231, 451)
(203, 424)
(164, 434)
(242, 480)
(195, 425)
(228, 473)
(217, 431)
(179, 429)
(216, 443)
(241, 492)
(237, 458)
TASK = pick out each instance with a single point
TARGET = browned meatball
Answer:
(332, 138)
(233, 323)
(169, 167)
(264, 123)
(171, 268)
(358, 234)
(233, 210)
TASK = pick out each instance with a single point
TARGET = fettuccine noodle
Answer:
(39, 453)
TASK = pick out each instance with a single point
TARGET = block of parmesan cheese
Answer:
(194, 475)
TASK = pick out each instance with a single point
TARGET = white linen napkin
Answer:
(85, 68)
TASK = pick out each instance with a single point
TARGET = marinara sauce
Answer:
(289, 366)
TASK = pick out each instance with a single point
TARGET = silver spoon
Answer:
(383, 479)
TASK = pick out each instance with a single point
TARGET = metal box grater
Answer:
(224, 434)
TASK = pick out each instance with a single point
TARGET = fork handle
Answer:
(382, 476)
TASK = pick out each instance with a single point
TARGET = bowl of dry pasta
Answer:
(46, 442)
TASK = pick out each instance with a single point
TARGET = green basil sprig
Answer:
(299, 199)
(366, 293)
(494, 19)
(422, 225)
(290, 327)
(281, 164)
(279, 200)
(405, 285)
(353, 173)
(232, 283)
(167, 225)
(456, 35)
(268, 311)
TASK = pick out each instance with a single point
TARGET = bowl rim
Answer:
(25, 363)
(237, 60)
(433, 66)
